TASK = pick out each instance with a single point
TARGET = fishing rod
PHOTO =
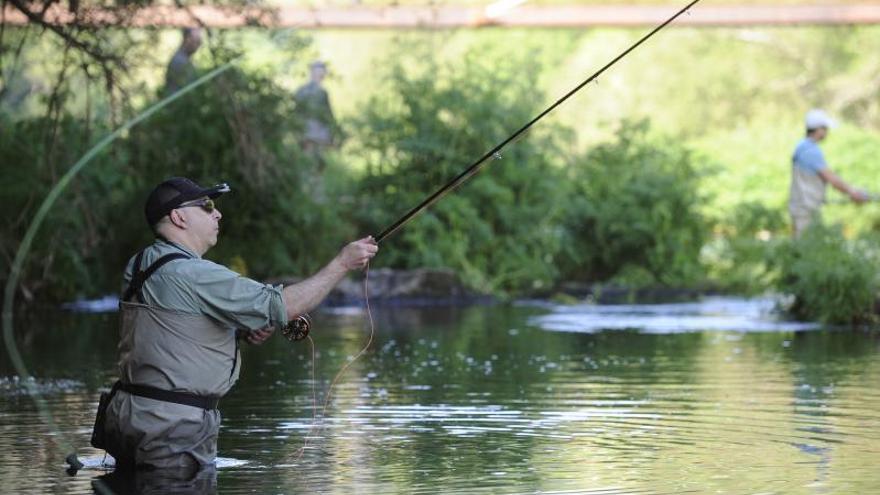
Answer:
(296, 333)
(869, 198)
(297, 330)
(496, 151)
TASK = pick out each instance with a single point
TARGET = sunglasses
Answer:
(205, 204)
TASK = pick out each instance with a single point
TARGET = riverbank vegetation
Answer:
(671, 171)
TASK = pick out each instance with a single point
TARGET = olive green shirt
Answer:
(199, 286)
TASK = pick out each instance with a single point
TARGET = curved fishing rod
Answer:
(871, 198)
(459, 179)
(494, 152)
(6, 314)
(25, 246)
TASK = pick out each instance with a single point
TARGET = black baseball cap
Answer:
(174, 192)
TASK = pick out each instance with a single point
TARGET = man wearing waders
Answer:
(810, 173)
(180, 318)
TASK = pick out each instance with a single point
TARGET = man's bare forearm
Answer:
(308, 294)
(836, 182)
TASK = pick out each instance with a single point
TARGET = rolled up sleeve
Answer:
(236, 300)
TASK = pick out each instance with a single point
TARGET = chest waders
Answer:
(174, 367)
(807, 191)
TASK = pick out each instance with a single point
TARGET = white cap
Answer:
(817, 118)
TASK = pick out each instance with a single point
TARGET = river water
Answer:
(711, 397)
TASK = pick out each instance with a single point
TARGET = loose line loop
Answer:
(318, 423)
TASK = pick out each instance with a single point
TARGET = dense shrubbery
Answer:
(634, 212)
(740, 255)
(67, 256)
(631, 210)
(833, 280)
(238, 130)
(630, 206)
(501, 229)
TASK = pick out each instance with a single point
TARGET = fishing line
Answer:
(317, 424)
(58, 188)
(311, 430)
(496, 151)
(468, 173)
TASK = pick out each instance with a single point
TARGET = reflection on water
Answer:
(487, 400)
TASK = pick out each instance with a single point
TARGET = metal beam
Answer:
(446, 17)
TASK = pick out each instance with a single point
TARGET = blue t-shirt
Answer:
(808, 156)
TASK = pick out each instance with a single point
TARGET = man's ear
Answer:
(177, 219)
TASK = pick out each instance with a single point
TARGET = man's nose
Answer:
(219, 215)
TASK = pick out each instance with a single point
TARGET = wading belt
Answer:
(203, 401)
(134, 289)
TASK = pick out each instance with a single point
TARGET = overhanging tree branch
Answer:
(70, 38)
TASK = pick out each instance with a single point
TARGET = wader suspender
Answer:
(134, 289)
(140, 276)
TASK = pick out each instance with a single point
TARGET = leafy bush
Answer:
(500, 229)
(243, 130)
(67, 252)
(635, 212)
(831, 279)
(240, 129)
(740, 256)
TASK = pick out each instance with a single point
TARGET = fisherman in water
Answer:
(810, 173)
(181, 316)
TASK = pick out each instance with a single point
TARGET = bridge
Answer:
(504, 13)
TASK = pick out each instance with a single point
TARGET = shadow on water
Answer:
(489, 399)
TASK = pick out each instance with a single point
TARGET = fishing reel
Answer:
(297, 328)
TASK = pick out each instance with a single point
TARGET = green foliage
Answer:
(63, 260)
(503, 231)
(740, 256)
(242, 131)
(634, 212)
(832, 280)
(580, 197)
(500, 229)
(239, 130)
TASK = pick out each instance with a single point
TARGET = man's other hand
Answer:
(259, 336)
(858, 196)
